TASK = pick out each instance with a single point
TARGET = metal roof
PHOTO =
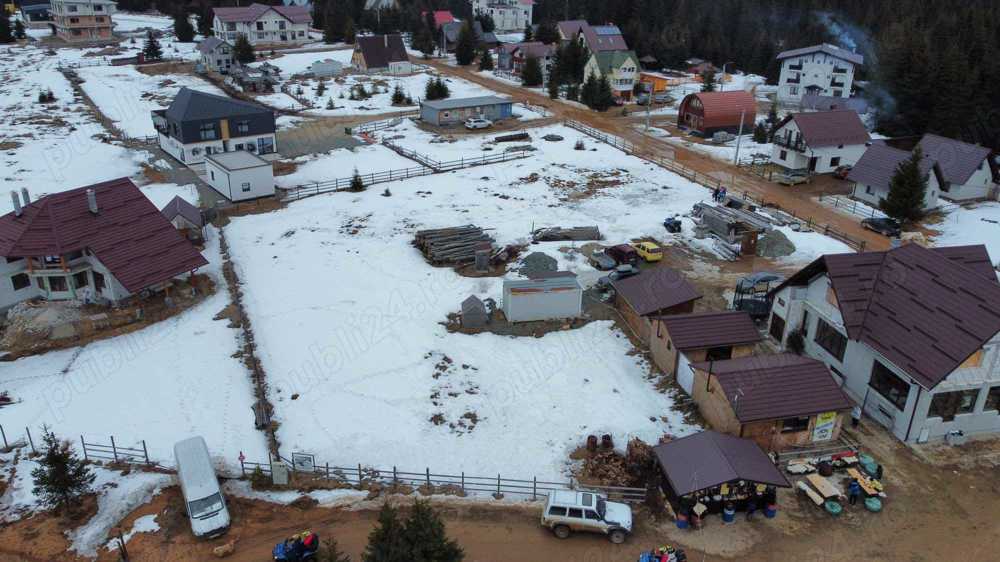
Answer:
(459, 103)
(253, 12)
(829, 128)
(879, 163)
(723, 109)
(958, 160)
(178, 206)
(128, 234)
(237, 160)
(380, 50)
(607, 60)
(703, 330)
(772, 387)
(707, 459)
(544, 283)
(192, 105)
(655, 289)
(832, 50)
(209, 44)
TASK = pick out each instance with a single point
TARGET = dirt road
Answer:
(798, 201)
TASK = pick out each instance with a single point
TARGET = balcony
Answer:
(795, 66)
(795, 80)
(838, 70)
(795, 144)
(836, 84)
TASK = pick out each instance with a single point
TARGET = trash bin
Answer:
(728, 514)
(682, 521)
(770, 510)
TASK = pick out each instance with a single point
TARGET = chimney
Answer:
(17, 202)
(25, 198)
(92, 201)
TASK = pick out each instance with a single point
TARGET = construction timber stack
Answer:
(454, 246)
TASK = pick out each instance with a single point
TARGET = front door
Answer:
(812, 163)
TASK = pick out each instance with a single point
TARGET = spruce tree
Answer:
(531, 74)
(151, 49)
(547, 33)
(905, 201)
(350, 31)
(441, 89)
(708, 80)
(386, 542)
(424, 534)
(423, 41)
(243, 51)
(6, 33)
(605, 96)
(553, 86)
(398, 97)
(182, 27)
(335, 21)
(486, 21)
(357, 184)
(205, 17)
(589, 91)
(61, 478)
(465, 48)
(529, 33)
(485, 59)
(760, 133)
(19, 32)
(331, 552)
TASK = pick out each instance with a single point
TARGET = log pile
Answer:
(576, 233)
(455, 245)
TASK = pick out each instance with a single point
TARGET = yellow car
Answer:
(649, 251)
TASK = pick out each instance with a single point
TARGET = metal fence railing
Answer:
(372, 126)
(92, 451)
(851, 206)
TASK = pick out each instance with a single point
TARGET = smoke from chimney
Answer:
(17, 202)
(92, 201)
(25, 197)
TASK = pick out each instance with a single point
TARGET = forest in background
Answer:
(930, 65)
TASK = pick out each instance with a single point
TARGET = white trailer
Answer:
(239, 175)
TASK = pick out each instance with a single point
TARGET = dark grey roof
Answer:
(380, 50)
(192, 105)
(830, 128)
(818, 102)
(772, 387)
(879, 163)
(473, 305)
(178, 206)
(958, 160)
(703, 330)
(237, 160)
(547, 283)
(453, 28)
(824, 48)
(655, 289)
(209, 44)
(453, 103)
(707, 459)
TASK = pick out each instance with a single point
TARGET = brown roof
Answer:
(294, 14)
(925, 310)
(774, 387)
(707, 459)
(128, 235)
(598, 38)
(655, 289)
(723, 109)
(702, 330)
(380, 50)
(829, 128)
(824, 48)
(879, 163)
(958, 160)
(179, 206)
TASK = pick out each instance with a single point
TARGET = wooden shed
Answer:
(654, 292)
(707, 113)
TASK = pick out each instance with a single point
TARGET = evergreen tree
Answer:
(485, 59)
(424, 534)
(243, 51)
(335, 21)
(357, 184)
(151, 49)
(553, 86)
(386, 542)
(605, 96)
(423, 39)
(205, 16)
(573, 92)
(529, 33)
(532, 75)
(6, 33)
(486, 21)
(465, 48)
(61, 478)
(398, 97)
(708, 80)
(331, 552)
(570, 62)
(905, 201)
(19, 32)
(350, 32)
(760, 133)
(547, 33)
(589, 91)
(182, 27)
(442, 89)
(951, 106)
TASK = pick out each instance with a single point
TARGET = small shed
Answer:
(474, 313)
(456, 111)
(780, 401)
(713, 468)
(655, 292)
(239, 175)
(543, 296)
(707, 113)
(681, 339)
(185, 217)
(326, 68)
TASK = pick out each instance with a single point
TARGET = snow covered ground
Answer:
(725, 151)
(978, 223)
(341, 163)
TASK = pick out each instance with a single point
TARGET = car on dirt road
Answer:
(623, 253)
(568, 511)
(649, 251)
(792, 177)
(620, 272)
(885, 227)
(473, 123)
(602, 261)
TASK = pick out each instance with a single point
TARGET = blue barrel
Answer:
(728, 515)
(770, 510)
(682, 521)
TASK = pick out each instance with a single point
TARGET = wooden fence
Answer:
(372, 126)
(92, 451)
(851, 206)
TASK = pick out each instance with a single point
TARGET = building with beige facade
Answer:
(82, 20)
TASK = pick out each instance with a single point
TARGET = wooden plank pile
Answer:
(575, 233)
(453, 246)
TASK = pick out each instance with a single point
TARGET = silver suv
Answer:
(588, 512)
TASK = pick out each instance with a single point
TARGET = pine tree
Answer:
(357, 184)
(531, 74)
(553, 86)
(182, 27)
(243, 51)
(465, 48)
(547, 33)
(350, 31)
(151, 49)
(708, 80)
(905, 201)
(205, 17)
(485, 59)
(605, 96)
(589, 91)
(6, 34)
(386, 542)
(529, 33)
(61, 478)
(760, 133)
(423, 40)
(398, 97)
(424, 534)
(19, 32)
(486, 21)
(335, 21)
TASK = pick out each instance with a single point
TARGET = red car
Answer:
(623, 254)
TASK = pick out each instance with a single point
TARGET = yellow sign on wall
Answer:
(825, 424)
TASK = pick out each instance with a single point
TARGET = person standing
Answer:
(853, 491)
(856, 416)
(751, 507)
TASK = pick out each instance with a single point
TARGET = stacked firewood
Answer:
(454, 245)
(576, 233)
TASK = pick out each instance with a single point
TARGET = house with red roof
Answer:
(819, 142)
(98, 243)
(262, 24)
(911, 334)
(707, 113)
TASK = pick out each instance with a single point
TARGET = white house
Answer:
(216, 55)
(968, 170)
(263, 24)
(911, 334)
(508, 15)
(821, 69)
(621, 68)
(240, 175)
(873, 173)
(819, 142)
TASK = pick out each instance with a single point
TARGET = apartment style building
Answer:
(82, 20)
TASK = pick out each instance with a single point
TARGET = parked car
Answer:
(643, 99)
(620, 272)
(623, 253)
(649, 251)
(569, 511)
(661, 97)
(793, 177)
(473, 123)
(841, 172)
(602, 261)
(672, 224)
(885, 227)
(203, 501)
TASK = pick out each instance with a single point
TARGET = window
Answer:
(74, 20)
(212, 173)
(98, 8)
(556, 511)
(195, 151)
(783, 155)
(20, 281)
(838, 93)
(243, 127)
(719, 353)
(207, 131)
(70, 8)
(281, 25)
(947, 405)
(80, 280)
(230, 26)
(794, 425)
(869, 190)
(245, 187)
(98, 282)
(57, 284)
(40, 281)
(992, 400)
(777, 330)
(100, 19)
(577, 513)
(835, 161)
(266, 145)
(831, 296)
(260, 26)
(830, 339)
(889, 386)
(794, 90)
(592, 515)
(974, 360)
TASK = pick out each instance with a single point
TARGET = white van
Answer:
(203, 501)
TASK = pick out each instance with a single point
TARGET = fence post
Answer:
(4, 436)
(145, 453)
(498, 483)
(463, 481)
(534, 488)
(243, 468)
(394, 480)
(428, 476)
(82, 444)
(30, 440)
(359, 474)
(114, 450)
(327, 471)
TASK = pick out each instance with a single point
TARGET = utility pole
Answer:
(739, 137)
(649, 107)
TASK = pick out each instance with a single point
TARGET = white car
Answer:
(589, 512)
(478, 123)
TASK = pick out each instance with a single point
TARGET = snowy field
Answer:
(126, 96)
(725, 151)
(447, 147)
(341, 163)
(978, 223)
